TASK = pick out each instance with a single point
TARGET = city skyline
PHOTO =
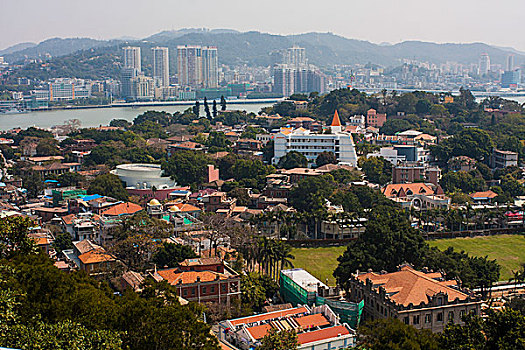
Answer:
(395, 22)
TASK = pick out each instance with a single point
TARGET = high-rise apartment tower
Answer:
(197, 66)
(132, 57)
(161, 70)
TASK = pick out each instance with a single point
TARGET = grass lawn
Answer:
(508, 250)
(320, 262)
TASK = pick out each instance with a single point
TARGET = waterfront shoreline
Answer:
(156, 104)
(102, 115)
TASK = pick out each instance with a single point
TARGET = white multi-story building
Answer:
(198, 66)
(312, 144)
(357, 120)
(295, 56)
(484, 64)
(132, 57)
(161, 66)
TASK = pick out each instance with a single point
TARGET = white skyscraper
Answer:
(510, 63)
(484, 64)
(295, 56)
(210, 67)
(161, 70)
(132, 57)
(198, 66)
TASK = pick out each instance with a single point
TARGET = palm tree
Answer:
(284, 255)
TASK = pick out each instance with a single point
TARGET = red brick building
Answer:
(375, 119)
(203, 280)
(409, 172)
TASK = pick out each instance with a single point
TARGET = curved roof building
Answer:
(143, 176)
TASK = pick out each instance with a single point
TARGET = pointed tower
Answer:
(335, 127)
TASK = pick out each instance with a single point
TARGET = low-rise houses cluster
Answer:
(316, 327)
(320, 315)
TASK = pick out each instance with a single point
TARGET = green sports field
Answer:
(320, 262)
(508, 250)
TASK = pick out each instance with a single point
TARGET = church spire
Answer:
(336, 126)
(336, 121)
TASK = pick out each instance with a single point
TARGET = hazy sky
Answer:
(498, 22)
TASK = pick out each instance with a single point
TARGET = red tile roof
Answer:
(301, 119)
(96, 256)
(173, 276)
(268, 316)
(409, 286)
(310, 321)
(486, 194)
(258, 332)
(401, 190)
(122, 209)
(326, 333)
(201, 261)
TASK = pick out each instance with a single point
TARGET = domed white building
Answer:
(143, 176)
(145, 180)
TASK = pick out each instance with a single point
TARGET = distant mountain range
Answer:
(255, 48)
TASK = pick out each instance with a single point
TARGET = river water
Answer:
(99, 116)
(102, 116)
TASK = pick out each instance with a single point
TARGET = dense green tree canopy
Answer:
(171, 255)
(377, 169)
(392, 334)
(387, 242)
(108, 185)
(325, 158)
(462, 181)
(42, 307)
(312, 192)
(503, 329)
(293, 159)
(279, 340)
(187, 167)
(472, 142)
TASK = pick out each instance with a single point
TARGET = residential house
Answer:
(420, 196)
(218, 201)
(122, 209)
(247, 146)
(408, 172)
(91, 258)
(502, 159)
(186, 146)
(461, 163)
(203, 280)
(485, 197)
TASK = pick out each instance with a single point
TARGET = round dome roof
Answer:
(154, 202)
(174, 208)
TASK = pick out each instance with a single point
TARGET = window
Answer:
(193, 291)
(185, 292)
(406, 319)
(415, 319)
(440, 317)
(223, 288)
(428, 318)
(461, 314)
(203, 290)
(451, 316)
(212, 289)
